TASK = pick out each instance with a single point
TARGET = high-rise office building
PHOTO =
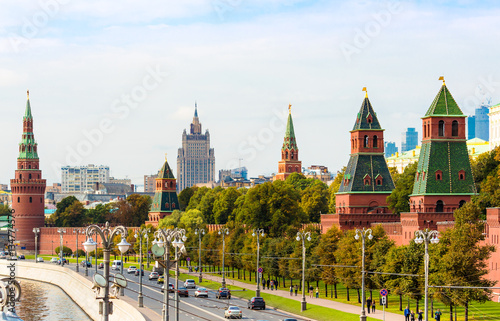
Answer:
(76, 179)
(471, 127)
(483, 123)
(409, 140)
(195, 159)
(390, 149)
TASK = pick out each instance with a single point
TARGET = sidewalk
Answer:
(389, 316)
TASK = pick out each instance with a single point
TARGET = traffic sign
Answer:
(260, 275)
(383, 292)
(384, 300)
(260, 270)
(188, 259)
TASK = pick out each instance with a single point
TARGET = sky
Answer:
(115, 83)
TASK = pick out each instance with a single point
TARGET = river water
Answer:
(46, 302)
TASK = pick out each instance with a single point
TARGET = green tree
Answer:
(66, 251)
(314, 200)
(299, 181)
(185, 196)
(73, 215)
(484, 165)
(461, 259)
(334, 188)
(64, 203)
(399, 199)
(325, 251)
(195, 200)
(99, 214)
(170, 221)
(224, 205)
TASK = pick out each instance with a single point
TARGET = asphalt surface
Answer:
(190, 308)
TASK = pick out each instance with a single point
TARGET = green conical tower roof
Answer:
(165, 199)
(444, 104)
(289, 142)
(165, 171)
(366, 118)
(28, 145)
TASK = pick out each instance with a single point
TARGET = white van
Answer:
(117, 265)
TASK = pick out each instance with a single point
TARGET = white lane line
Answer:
(192, 305)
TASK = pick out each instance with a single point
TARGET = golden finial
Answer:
(28, 93)
(366, 92)
(442, 78)
(289, 108)
(165, 156)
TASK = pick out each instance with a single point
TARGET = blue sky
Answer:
(115, 83)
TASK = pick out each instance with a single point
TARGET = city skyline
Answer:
(122, 82)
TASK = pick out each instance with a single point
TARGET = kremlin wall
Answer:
(443, 182)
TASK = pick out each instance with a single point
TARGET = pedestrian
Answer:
(310, 291)
(420, 315)
(296, 289)
(268, 283)
(272, 285)
(263, 284)
(437, 315)
(407, 314)
(369, 304)
(412, 316)
(373, 306)
(291, 290)
(317, 292)
(276, 283)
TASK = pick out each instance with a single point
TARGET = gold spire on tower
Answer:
(289, 108)
(366, 92)
(442, 78)
(28, 93)
(165, 156)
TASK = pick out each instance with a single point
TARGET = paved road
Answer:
(190, 308)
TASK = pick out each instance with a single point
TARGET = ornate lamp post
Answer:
(178, 243)
(146, 236)
(363, 234)
(61, 231)
(303, 236)
(162, 239)
(107, 236)
(139, 234)
(224, 231)
(77, 231)
(257, 232)
(425, 237)
(36, 230)
(200, 233)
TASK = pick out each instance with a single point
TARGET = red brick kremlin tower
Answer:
(367, 181)
(289, 162)
(165, 200)
(28, 187)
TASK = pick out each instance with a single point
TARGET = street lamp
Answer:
(363, 234)
(146, 236)
(61, 232)
(162, 239)
(139, 234)
(107, 236)
(36, 230)
(89, 245)
(199, 232)
(123, 247)
(425, 237)
(257, 232)
(224, 231)
(178, 243)
(77, 231)
(303, 236)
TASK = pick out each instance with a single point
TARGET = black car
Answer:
(183, 291)
(223, 293)
(256, 302)
(100, 266)
(21, 257)
(83, 263)
(137, 272)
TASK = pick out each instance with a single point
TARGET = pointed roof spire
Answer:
(195, 109)
(289, 140)
(444, 104)
(27, 113)
(166, 171)
(367, 118)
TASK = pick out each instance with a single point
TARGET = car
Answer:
(132, 269)
(190, 284)
(183, 291)
(170, 288)
(86, 263)
(153, 275)
(223, 293)
(233, 312)
(3, 255)
(256, 302)
(100, 266)
(161, 279)
(201, 292)
(136, 273)
(117, 265)
(54, 260)
(289, 319)
(64, 261)
(39, 259)
(21, 257)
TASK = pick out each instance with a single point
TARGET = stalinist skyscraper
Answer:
(195, 159)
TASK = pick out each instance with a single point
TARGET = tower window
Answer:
(29, 166)
(286, 154)
(19, 200)
(365, 141)
(454, 128)
(441, 128)
(31, 200)
(367, 180)
(29, 176)
(461, 203)
(461, 175)
(375, 141)
(439, 206)
(379, 182)
(439, 175)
